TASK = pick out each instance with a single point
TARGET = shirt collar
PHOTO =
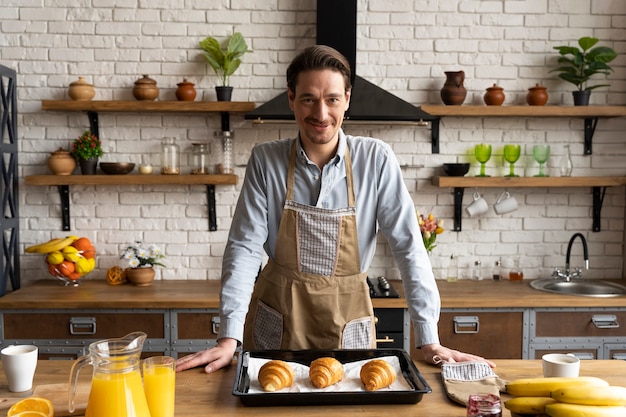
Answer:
(341, 149)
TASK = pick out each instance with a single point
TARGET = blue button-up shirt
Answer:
(382, 203)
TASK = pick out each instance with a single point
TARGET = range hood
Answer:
(336, 27)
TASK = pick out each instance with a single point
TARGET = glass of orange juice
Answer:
(159, 381)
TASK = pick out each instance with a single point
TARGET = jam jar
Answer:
(484, 405)
(170, 157)
(200, 154)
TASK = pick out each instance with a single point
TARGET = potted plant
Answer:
(141, 261)
(579, 64)
(86, 149)
(224, 59)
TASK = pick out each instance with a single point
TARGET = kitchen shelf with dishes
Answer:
(93, 108)
(598, 185)
(590, 115)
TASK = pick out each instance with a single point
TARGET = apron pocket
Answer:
(357, 334)
(268, 327)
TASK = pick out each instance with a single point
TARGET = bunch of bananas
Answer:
(68, 258)
(566, 397)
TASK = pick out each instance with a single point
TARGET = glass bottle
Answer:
(566, 166)
(225, 163)
(484, 405)
(477, 272)
(453, 269)
(516, 273)
(200, 158)
(497, 271)
(170, 157)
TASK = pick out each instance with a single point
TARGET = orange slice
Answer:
(32, 407)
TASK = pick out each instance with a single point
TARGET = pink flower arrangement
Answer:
(430, 228)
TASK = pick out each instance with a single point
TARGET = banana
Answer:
(591, 395)
(55, 245)
(36, 248)
(528, 405)
(576, 410)
(542, 387)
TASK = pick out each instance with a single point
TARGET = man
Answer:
(315, 204)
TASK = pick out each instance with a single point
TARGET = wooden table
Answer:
(200, 394)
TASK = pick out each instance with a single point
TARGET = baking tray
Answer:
(414, 378)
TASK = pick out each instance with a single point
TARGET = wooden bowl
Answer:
(117, 168)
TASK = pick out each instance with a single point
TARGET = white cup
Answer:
(19, 363)
(560, 365)
(478, 206)
(505, 203)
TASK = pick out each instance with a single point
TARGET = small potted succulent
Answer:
(578, 64)
(86, 149)
(224, 59)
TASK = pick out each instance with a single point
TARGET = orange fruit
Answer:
(52, 269)
(32, 407)
(82, 244)
(66, 268)
(89, 253)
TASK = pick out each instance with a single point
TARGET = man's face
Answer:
(318, 104)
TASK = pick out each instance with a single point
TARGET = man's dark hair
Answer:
(318, 57)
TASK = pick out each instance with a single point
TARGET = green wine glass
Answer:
(511, 155)
(541, 153)
(482, 152)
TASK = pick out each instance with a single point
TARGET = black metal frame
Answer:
(9, 186)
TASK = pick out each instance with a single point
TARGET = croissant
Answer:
(276, 375)
(325, 372)
(377, 374)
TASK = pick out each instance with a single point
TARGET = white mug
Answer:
(560, 365)
(505, 203)
(19, 363)
(478, 206)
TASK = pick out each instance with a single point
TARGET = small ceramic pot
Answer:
(81, 90)
(185, 91)
(494, 96)
(453, 92)
(141, 276)
(145, 89)
(61, 162)
(537, 96)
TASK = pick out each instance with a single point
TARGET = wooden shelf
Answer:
(148, 106)
(589, 114)
(63, 183)
(598, 185)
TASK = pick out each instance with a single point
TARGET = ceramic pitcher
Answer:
(116, 385)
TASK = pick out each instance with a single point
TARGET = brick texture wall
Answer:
(404, 46)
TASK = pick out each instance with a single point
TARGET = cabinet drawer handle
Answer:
(584, 355)
(387, 339)
(466, 324)
(82, 325)
(607, 321)
(215, 324)
(619, 356)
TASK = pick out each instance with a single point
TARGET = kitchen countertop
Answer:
(200, 394)
(94, 294)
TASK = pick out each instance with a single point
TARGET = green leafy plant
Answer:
(578, 65)
(86, 146)
(224, 58)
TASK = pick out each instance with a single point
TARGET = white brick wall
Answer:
(404, 46)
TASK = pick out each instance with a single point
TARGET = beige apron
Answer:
(312, 295)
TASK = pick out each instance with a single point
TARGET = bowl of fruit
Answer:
(68, 259)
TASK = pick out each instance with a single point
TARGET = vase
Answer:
(537, 96)
(453, 92)
(61, 162)
(494, 96)
(185, 91)
(81, 90)
(141, 276)
(88, 166)
(145, 89)
(224, 93)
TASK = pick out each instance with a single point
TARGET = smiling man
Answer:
(315, 204)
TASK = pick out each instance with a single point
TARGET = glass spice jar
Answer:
(225, 153)
(200, 158)
(170, 157)
(484, 405)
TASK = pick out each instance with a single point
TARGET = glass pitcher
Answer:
(116, 385)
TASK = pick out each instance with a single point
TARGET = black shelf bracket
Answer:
(434, 135)
(64, 193)
(210, 192)
(93, 123)
(458, 207)
(590, 128)
(598, 199)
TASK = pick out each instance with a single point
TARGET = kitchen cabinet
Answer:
(93, 108)
(598, 185)
(589, 114)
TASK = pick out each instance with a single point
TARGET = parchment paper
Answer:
(351, 380)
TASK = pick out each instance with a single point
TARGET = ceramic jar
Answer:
(537, 96)
(145, 89)
(453, 91)
(81, 90)
(185, 91)
(494, 96)
(61, 162)
(141, 276)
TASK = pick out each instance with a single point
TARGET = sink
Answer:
(583, 287)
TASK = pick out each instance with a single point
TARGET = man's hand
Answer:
(214, 358)
(436, 354)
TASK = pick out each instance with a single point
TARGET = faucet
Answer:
(567, 275)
